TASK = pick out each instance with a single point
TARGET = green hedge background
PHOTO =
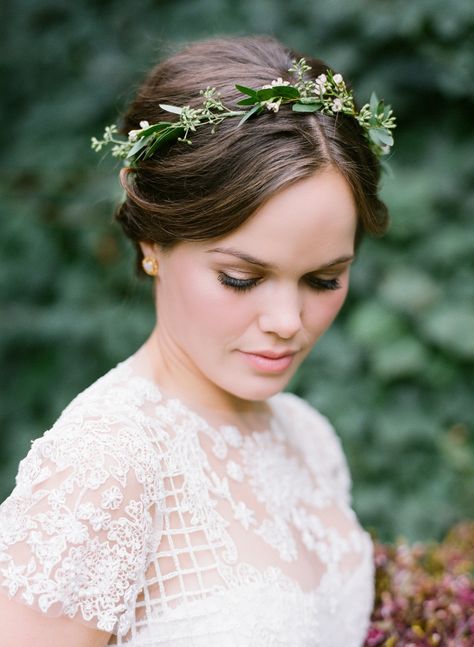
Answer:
(394, 374)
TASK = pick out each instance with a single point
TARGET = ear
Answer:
(149, 248)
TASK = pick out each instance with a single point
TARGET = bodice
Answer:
(134, 514)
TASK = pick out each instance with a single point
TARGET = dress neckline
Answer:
(165, 397)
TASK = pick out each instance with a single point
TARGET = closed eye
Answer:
(243, 285)
(319, 284)
(240, 285)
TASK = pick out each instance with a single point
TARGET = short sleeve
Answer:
(321, 444)
(78, 530)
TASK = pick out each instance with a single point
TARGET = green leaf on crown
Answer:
(249, 91)
(248, 114)
(381, 136)
(306, 107)
(175, 109)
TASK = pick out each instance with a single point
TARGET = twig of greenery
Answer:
(327, 94)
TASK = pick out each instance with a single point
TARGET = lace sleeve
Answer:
(78, 529)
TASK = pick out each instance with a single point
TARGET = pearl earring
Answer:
(150, 265)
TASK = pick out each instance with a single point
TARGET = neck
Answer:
(159, 362)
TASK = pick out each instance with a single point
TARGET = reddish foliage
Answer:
(425, 593)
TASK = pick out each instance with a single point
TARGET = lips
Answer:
(269, 361)
(270, 354)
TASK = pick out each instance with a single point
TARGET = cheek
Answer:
(209, 305)
(323, 310)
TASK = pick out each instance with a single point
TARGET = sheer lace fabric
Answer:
(134, 515)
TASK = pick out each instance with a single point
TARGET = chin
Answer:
(259, 389)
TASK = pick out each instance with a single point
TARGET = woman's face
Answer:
(237, 315)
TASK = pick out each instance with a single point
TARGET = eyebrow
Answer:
(256, 261)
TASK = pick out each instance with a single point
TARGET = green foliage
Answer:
(395, 372)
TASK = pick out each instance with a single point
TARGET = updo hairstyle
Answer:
(208, 189)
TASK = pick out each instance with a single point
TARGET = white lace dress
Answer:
(134, 515)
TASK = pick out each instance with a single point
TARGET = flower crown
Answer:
(327, 94)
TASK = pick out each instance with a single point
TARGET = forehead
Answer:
(313, 220)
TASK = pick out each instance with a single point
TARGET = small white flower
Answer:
(337, 105)
(320, 83)
(119, 150)
(75, 532)
(133, 134)
(243, 514)
(100, 520)
(134, 509)
(111, 498)
(96, 145)
(14, 577)
(110, 132)
(274, 106)
(338, 80)
(275, 83)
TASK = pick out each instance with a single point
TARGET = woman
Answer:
(182, 499)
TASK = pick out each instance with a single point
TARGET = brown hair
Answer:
(208, 189)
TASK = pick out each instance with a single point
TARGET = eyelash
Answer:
(243, 285)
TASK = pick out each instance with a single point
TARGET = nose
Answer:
(281, 313)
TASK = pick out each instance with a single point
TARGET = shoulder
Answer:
(119, 391)
(305, 417)
(84, 518)
(316, 437)
(102, 429)
(303, 410)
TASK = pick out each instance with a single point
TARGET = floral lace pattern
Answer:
(134, 515)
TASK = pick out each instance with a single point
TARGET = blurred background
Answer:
(394, 374)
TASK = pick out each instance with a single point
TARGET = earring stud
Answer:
(150, 265)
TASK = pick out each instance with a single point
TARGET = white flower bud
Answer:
(144, 124)
(96, 144)
(337, 105)
(274, 106)
(338, 80)
(133, 135)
